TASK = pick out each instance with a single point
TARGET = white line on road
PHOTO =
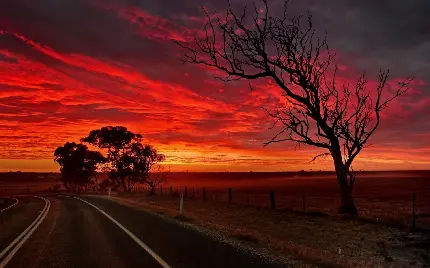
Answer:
(131, 235)
(16, 202)
(24, 235)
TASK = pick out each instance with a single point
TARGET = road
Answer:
(96, 232)
(7, 202)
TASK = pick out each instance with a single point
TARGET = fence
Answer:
(407, 210)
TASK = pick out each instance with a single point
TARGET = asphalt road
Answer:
(5, 202)
(16, 219)
(95, 232)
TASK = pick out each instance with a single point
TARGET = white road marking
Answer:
(23, 237)
(131, 235)
(22, 234)
(16, 202)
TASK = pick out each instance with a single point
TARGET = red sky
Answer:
(67, 67)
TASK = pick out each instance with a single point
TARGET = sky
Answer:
(70, 66)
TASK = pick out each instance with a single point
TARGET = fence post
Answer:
(414, 197)
(203, 193)
(304, 202)
(272, 200)
(229, 195)
(171, 190)
(181, 205)
(186, 191)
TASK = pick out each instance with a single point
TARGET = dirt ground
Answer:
(304, 240)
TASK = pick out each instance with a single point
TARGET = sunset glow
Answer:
(67, 68)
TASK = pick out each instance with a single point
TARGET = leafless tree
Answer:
(320, 111)
(156, 177)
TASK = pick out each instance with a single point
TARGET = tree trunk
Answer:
(153, 190)
(124, 185)
(347, 205)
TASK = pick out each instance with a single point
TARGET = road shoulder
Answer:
(182, 244)
(300, 240)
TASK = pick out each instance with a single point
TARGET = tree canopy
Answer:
(128, 160)
(78, 164)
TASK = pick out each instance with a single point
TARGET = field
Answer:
(378, 195)
(26, 182)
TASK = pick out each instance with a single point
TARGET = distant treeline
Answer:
(54, 176)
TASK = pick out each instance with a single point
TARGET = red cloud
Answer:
(57, 96)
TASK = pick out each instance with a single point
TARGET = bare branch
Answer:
(318, 156)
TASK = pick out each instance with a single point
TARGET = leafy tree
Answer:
(78, 165)
(320, 111)
(116, 142)
(129, 161)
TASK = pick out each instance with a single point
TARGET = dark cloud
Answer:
(51, 86)
(380, 34)
(388, 34)
(8, 59)
(75, 26)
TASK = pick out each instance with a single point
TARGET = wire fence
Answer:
(407, 210)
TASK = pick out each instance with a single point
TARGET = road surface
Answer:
(7, 202)
(94, 232)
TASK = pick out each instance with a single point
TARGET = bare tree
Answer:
(319, 111)
(156, 177)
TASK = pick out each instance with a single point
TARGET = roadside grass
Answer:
(245, 237)
(183, 218)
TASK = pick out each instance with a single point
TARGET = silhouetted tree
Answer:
(319, 110)
(157, 177)
(116, 142)
(78, 165)
(144, 158)
(129, 161)
(139, 161)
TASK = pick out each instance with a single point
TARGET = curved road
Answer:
(96, 232)
(7, 202)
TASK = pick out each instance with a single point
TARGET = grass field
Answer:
(24, 182)
(9, 188)
(378, 195)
